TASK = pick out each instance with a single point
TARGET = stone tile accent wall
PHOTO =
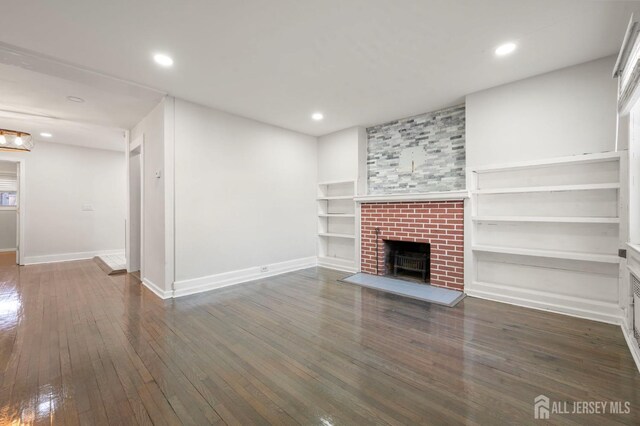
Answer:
(439, 223)
(418, 154)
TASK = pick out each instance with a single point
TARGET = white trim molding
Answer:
(576, 307)
(627, 68)
(337, 264)
(633, 345)
(632, 267)
(22, 205)
(423, 196)
(212, 282)
(155, 289)
(68, 257)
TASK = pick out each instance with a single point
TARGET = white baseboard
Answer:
(156, 289)
(4, 250)
(211, 282)
(633, 345)
(581, 308)
(67, 257)
(337, 264)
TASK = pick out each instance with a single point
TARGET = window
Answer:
(8, 199)
(8, 190)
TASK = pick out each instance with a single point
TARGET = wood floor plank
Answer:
(80, 347)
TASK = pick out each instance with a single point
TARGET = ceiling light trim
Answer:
(163, 60)
(505, 48)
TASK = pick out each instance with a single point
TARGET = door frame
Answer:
(135, 144)
(21, 208)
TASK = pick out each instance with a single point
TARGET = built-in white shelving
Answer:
(336, 235)
(337, 231)
(546, 219)
(557, 254)
(555, 188)
(545, 234)
(550, 162)
(337, 197)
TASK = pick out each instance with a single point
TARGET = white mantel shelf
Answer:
(424, 196)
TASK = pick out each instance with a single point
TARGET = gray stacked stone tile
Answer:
(418, 154)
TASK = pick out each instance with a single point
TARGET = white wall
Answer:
(338, 155)
(342, 156)
(7, 230)
(244, 194)
(565, 112)
(60, 180)
(151, 128)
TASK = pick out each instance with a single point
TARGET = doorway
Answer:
(11, 200)
(135, 253)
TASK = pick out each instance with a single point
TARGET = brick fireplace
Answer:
(438, 223)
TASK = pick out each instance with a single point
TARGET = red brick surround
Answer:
(439, 223)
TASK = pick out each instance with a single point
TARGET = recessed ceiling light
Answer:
(163, 60)
(75, 99)
(317, 116)
(505, 49)
(46, 134)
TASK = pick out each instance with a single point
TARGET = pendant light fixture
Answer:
(13, 140)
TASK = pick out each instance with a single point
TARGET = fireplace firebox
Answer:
(406, 259)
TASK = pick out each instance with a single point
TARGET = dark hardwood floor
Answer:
(78, 346)
(7, 258)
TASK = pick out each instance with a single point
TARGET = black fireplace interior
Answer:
(407, 260)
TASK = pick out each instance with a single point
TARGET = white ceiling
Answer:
(27, 91)
(34, 91)
(360, 62)
(63, 131)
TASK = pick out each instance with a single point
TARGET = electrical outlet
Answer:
(264, 269)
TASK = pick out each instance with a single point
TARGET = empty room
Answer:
(320, 213)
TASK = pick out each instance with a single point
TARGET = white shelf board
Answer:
(336, 197)
(556, 254)
(335, 259)
(336, 215)
(574, 159)
(548, 219)
(334, 235)
(557, 188)
(336, 182)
